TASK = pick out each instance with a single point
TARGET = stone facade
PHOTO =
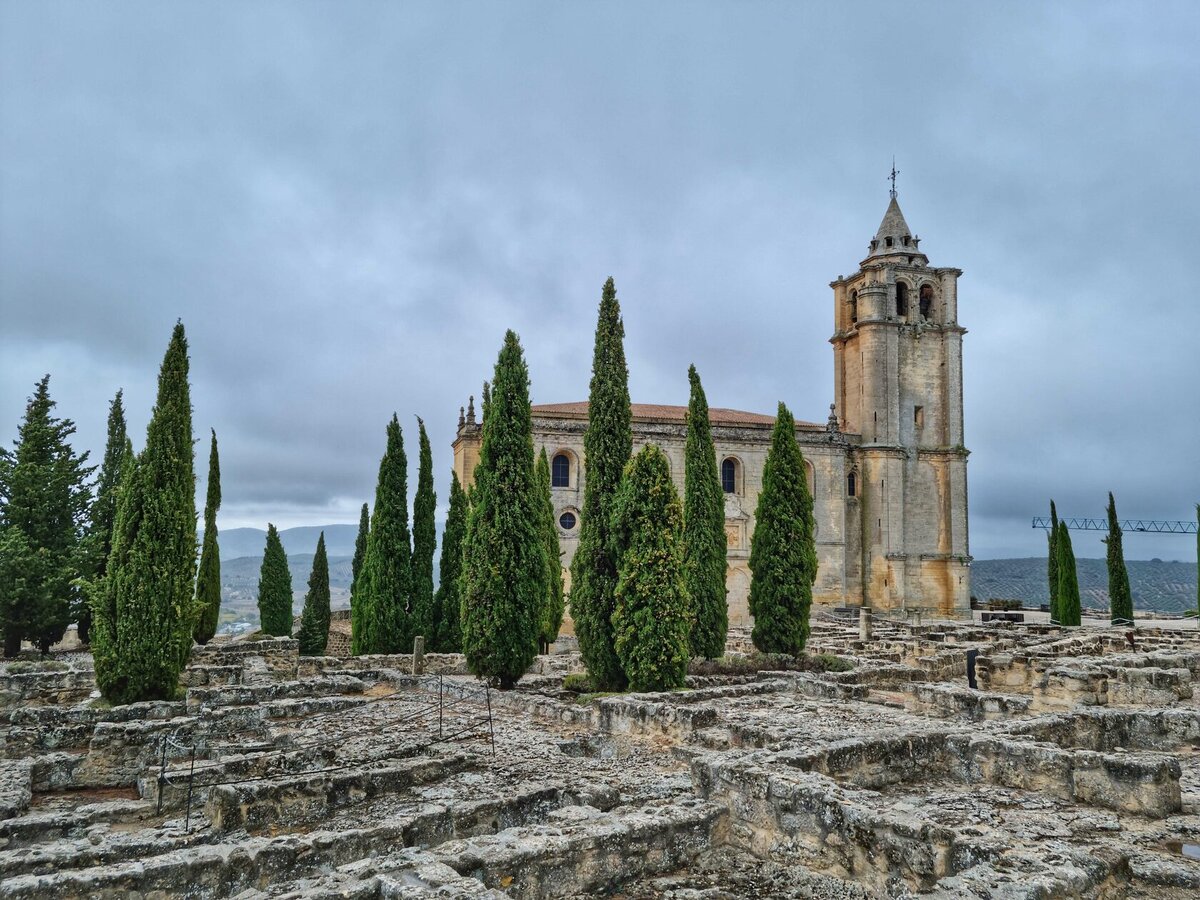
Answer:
(887, 471)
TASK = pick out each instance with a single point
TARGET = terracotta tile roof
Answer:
(650, 411)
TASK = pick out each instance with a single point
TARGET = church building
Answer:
(887, 471)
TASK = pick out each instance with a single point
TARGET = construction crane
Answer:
(1147, 525)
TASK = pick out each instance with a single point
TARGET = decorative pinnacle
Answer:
(832, 425)
(461, 418)
(892, 178)
(471, 410)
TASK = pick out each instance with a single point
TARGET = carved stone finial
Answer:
(832, 425)
(471, 410)
(461, 418)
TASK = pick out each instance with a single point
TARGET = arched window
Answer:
(852, 485)
(902, 299)
(926, 301)
(560, 471)
(729, 476)
(853, 307)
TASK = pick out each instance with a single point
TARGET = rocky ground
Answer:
(1070, 768)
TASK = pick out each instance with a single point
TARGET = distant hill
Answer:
(1156, 585)
(239, 542)
(239, 583)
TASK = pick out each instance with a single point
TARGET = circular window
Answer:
(567, 521)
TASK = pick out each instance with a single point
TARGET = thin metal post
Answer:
(162, 773)
(187, 818)
(491, 730)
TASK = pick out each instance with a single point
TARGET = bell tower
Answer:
(898, 389)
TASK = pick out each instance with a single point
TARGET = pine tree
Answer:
(783, 557)
(1052, 564)
(44, 495)
(703, 530)
(385, 583)
(424, 540)
(104, 510)
(275, 588)
(143, 610)
(1120, 598)
(503, 580)
(552, 614)
(314, 620)
(360, 553)
(448, 602)
(1068, 578)
(651, 620)
(208, 581)
(607, 445)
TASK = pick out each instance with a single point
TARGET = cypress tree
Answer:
(1052, 564)
(360, 553)
(503, 579)
(651, 620)
(1120, 598)
(448, 602)
(783, 557)
(385, 583)
(314, 620)
(104, 510)
(1068, 578)
(552, 614)
(275, 588)
(703, 530)
(44, 496)
(424, 540)
(607, 445)
(143, 612)
(208, 581)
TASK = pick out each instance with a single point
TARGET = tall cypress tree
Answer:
(1052, 564)
(424, 540)
(360, 553)
(275, 588)
(448, 601)
(208, 581)
(104, 510)
(44, 496)
(385, 583)
(503, 581)
(314, 620)
(143, 612)
(607, 445)
(651, 620)
(552, 614)
(1068, 578)
(783, 557)
(1120, 598)
(703, 530)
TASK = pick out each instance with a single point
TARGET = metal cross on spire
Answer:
(892, 178)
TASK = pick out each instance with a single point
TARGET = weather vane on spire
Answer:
(892, 178)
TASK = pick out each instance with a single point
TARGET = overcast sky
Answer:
(348, 203)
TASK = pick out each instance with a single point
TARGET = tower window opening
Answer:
(729, 476)
(887, 241)
(906, 239)
(926, 301)
(918, 417)
(902, 299)
(560, 471)
(851, 485)
(854, 307)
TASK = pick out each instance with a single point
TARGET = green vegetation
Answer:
(578, 682)
(384, 587)
(607, 445)
(783, 556)
(275, 588)
(1052, 564)
(44, 501)
(360, 553)
(143, 610)
(503, 579)
(314, 620)
(1068, 578)
(703, 530)
(424, 540)
(1120, 598)
(447, 602)
(104, 510)
(650, 622)
(552, 613)
(208, 581)
(770, 662)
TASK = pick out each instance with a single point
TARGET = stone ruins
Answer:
(953, 760)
